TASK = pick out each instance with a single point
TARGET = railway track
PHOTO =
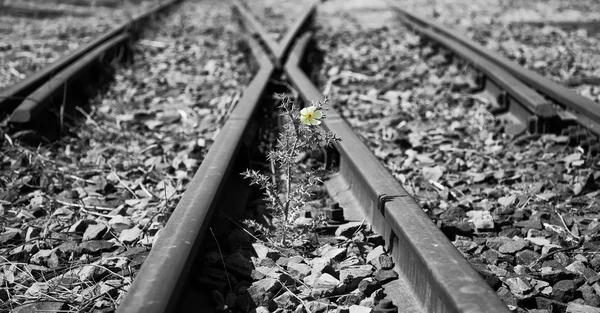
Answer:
(525, 99)
(434, 276)
(429, 281)
(69, 76)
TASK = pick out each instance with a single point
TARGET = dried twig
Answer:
(222, 260)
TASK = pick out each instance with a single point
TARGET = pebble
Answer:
(374, 254)
(580, 308)
(262, 291)
(481, 219)
(386, 262)
(360, 309)
(527, 257)
(326, 282)
(130, 235)
(384, 276)
(563, 291)
(348, 229)
(513, 246)
(287, 301)
(95, 231)
(354, 274)
(368, 286)
(519, 287)
(336, 254)
(298, 270)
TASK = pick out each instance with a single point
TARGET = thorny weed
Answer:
(287, 187)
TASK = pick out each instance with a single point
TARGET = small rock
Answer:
(481, 219)
(316, 306)
(311, 279)
(527, 257)
(262, 291)
(282, 261)
(368, 286)
(93, 246)
(384, 276)
(295, 259)
(44, 306)
(352, 275)
(385, 262)
(80, 226)
(95, 231)
(260, 309)
(120, 223)
(374, 254)
(348, 229)
(360, 309)
(9, 237)
(287, 301)
(513, 246)
(130, 235)
(496, 242)
(564, 291)
(576, 267)
(351, 261)
(554, 274)
(299, 270)
(520, 287)
(337, 254)
(350, 299)
(37, 289)
(529, 224)
(498, 271)
(549, 304)
(266, 262)
(321, 265)
(541, 287)
(263, 251)
(327, 282)
(580, 308)
(368, 302)
(589, 295)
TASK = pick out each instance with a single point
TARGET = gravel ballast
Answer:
(30, 43)
(79, 215)
(522, 210)
(557, 39)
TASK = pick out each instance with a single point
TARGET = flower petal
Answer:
(314, 122)
(304, 111)
(318, 114)
(304, 120)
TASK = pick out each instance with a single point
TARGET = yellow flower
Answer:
(310, 115)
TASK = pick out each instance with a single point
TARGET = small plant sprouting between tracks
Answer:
(287, 187)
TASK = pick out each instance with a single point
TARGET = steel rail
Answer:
(278, 50)
(511, 93)
(587, 111)
(157, 286)
(438, 275)
(53, 91)
(12, 96)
